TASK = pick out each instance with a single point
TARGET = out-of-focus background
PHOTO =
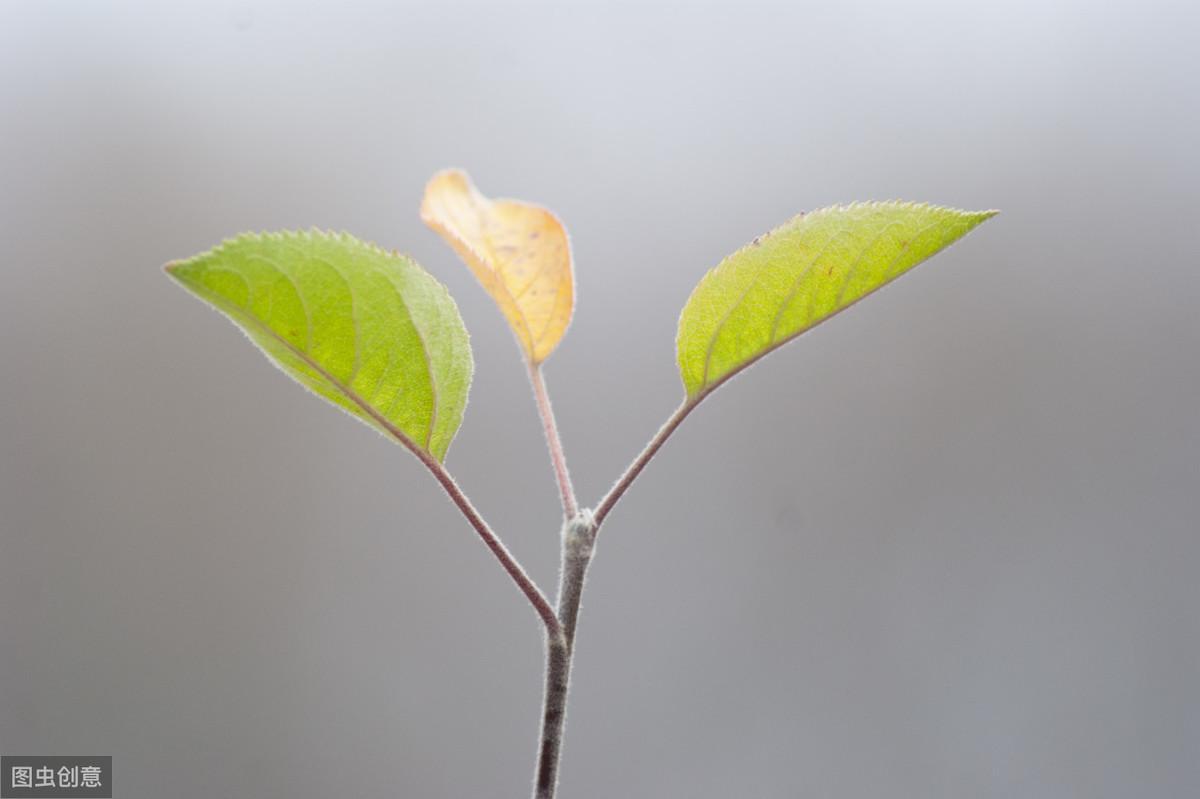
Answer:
(945, 545)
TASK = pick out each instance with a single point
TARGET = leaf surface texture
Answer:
(368, 330)
(519, 252)
(799, 275)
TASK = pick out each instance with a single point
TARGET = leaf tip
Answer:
(178, 270)
(452, 180)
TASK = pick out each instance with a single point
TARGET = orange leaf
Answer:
(519, 252)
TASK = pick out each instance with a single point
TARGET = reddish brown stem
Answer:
(526, 584)
(557, 458)
(639, 463)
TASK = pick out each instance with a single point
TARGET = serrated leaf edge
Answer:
(383, 425)
(982, 217)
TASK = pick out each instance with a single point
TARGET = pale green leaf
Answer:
(800, 274)
(368, 330)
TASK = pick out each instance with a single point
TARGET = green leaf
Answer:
(368, 330)
(799, 275)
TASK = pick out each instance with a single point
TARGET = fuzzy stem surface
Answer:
(578, 540)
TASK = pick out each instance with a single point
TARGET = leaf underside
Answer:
(368, 330)
(519, 252)
(800, 274)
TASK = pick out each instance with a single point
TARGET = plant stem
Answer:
(557, 458)
(578, 544)
(528, 587)
(647, 454)
(578, 539)
(524, 582)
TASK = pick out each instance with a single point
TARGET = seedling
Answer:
(376, 335)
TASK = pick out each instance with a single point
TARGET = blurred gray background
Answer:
(944, 546)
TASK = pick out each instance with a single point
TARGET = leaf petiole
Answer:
(510, 564)
(625, 480)
(557, 457)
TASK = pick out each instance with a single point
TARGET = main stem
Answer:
(578, 538)
(578, 542)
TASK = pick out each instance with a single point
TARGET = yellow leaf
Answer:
(519, 252)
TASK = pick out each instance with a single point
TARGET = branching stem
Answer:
(578, 543)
